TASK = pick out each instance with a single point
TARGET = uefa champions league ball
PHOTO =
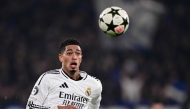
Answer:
(114, 21)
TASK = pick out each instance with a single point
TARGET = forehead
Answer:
(72, 48)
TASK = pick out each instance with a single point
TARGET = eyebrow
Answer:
(78, 50)
(72, 50)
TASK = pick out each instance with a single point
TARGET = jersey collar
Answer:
(83, 75)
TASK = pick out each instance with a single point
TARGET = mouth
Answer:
(73, 65)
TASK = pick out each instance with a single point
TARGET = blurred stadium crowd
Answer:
(31, 32)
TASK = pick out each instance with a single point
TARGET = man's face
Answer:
(71, 58)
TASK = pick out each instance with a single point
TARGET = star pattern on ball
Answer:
(101, 19)
(114, 12)
(125, 22)
(113, 21)
(111, 26)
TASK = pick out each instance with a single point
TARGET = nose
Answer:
(74, 57)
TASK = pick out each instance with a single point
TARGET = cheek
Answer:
(66, 60)
(80, 59)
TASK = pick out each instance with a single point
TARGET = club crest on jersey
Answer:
(88, 91)
(35, 90)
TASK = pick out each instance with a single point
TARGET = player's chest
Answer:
(68, 89)
(66, 92)
(70, 86)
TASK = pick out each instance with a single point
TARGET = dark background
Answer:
(31, 32)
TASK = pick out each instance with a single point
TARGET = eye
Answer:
(78, 53)
(69, 53)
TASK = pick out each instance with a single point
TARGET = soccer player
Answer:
(67, 87)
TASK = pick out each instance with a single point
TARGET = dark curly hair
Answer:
(68, 41)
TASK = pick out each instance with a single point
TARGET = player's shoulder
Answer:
(48, 75)
(92, 79)
(55, 71)
(95, 82)
(51, 73)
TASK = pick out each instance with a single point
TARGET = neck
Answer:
(73, 75)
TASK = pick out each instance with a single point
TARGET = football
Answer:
(114, 21)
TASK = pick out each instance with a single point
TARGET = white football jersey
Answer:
(55, 88)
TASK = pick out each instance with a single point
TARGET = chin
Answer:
(73, 71)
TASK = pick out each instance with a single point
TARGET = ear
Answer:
(60, 56)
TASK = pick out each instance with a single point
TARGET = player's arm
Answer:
(39, 94)
(95, 102)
